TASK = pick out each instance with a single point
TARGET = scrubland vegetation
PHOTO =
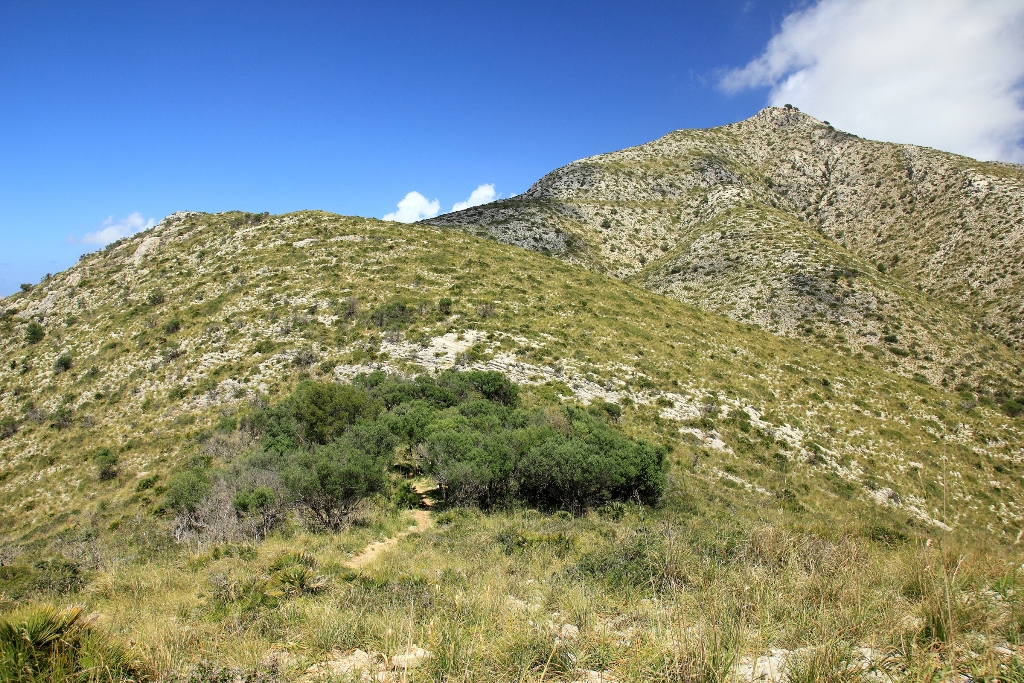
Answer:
(619, 485)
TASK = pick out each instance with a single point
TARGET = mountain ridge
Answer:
(854, 203)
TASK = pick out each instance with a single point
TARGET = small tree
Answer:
(393, 312)
(351, 308)
(494, 386)
(591, 464)
(329, 481)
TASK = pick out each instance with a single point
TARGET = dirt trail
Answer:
(370, 552)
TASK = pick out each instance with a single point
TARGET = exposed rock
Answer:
(412, 658)
(354, 664)
(591, 676)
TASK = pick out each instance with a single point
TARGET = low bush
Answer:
(391, 314)
(63, 363)
(105, 461)
(590, 464)
(46, 644)
(8, 427)
(316, 414)
(186, 490)
(34, 333)
(1014, 407)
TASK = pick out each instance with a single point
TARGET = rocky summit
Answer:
(738, 404)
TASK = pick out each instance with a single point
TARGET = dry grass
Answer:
(812, 522)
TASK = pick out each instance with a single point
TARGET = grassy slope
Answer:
(804, 476)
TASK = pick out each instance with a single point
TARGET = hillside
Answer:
(810, 492)
(906, 255)
(204, 313)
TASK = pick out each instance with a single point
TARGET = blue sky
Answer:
(111, 110)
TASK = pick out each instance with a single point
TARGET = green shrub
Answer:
(612, 411)
(328, 481)
(294, 579)
(328, 446)
(1013, 407)
(105, 461)
(405, 497)
(554, 459)
(264, 346)
(317, 413)
(256, 500)
(8, 426)
(494, 386)
(45, 644)
(34, 333)
(444, 306)
(63, 363)
(324, 409)
(156, 297)
(147, 483)
(186, 490)
(391, 314)
(63, 417)
(591, 464)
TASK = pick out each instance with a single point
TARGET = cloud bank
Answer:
(941, 73)
(112, 230)
(481, 195)
(414, 207)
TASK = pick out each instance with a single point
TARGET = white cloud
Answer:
(415, 207)
(481, 195)
(112, 230)
(940, 73)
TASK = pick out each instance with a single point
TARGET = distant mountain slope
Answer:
(149, 347)
(894, 251)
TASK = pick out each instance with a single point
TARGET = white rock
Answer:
(769, 667)
(414, 656)
(355, 663)
(569, 632)
(591, 676)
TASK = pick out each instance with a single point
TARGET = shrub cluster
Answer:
(329, 446)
